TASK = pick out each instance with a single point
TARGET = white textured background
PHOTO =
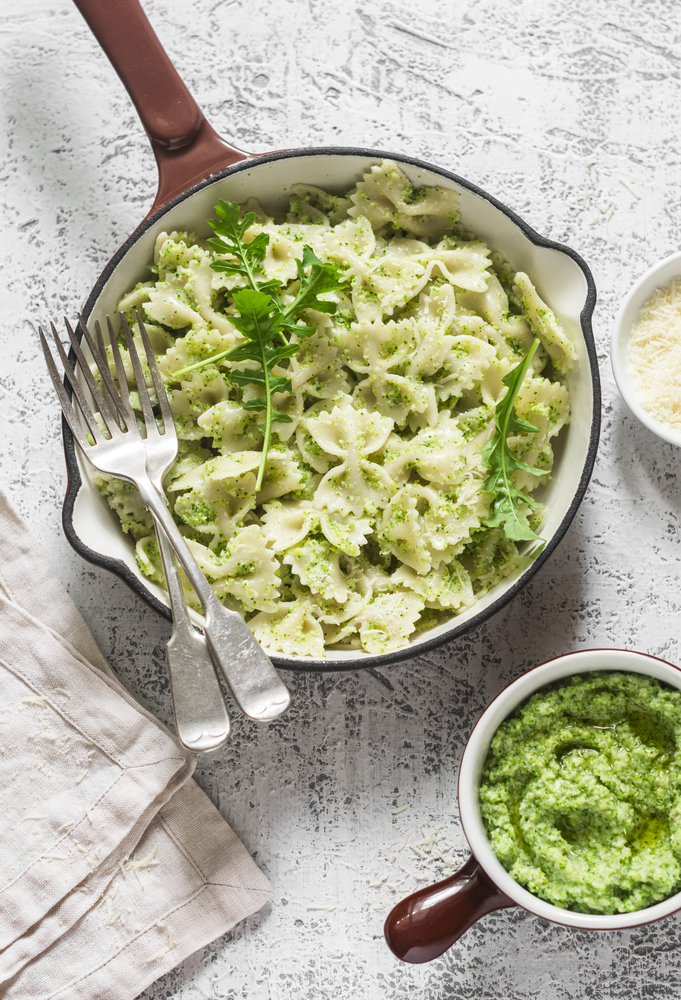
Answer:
(547, 104)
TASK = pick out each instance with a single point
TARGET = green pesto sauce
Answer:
(581, 793)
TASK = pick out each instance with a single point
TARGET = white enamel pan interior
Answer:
(561, 277)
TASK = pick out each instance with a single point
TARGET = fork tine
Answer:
(145, 401)
(103, 362)
(121, 373)
(62, 395)
(98, 350)
(161, 394)
(83, 404)
(102, 405)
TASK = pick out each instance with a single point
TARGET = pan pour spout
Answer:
(186, 147)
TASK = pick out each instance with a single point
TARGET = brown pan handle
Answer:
(427, 923)
(187, 149)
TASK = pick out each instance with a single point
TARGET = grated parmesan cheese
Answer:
(111, 915)
(630, 187)
(136, 865)
(162, 952)
(655, 355)
(35, 699)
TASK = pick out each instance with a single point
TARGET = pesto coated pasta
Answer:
(370, 522)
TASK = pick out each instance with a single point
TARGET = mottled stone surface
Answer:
(547, 105)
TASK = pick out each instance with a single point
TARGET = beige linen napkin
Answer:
(114, 865)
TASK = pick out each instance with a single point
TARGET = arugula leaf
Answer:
(262, 317)
(322, 278)
(502, 463)
(249, 256)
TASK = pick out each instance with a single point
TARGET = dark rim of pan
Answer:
(455, 631)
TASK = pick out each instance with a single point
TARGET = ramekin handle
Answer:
(424, 925)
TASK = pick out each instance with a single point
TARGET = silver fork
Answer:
(201, 716)
(253, 681)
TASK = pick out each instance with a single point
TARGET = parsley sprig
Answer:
(267, 324)
(501, 462)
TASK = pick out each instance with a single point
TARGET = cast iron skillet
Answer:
(196, 167)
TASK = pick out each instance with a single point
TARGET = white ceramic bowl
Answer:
(561, 278)
(656, 277)
(475, 754)
(424, 925)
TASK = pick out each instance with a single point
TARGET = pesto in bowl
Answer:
(580, 793)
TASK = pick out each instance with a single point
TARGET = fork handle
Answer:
(200, 712)
(255, 684)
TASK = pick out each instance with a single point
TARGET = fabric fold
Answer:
(115, 865)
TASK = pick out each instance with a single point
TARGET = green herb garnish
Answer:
(502, 463)
(267, 324)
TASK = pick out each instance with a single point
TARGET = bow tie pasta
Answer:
(369, 522)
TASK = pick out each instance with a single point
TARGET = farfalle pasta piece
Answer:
(190, 455)
(287, 524)
(466, 366)
(202, 287)
(423, 526)
(317, 370)
(125, 500)
(220, 493)
(332, 612)
(231, 427)
(546, 405)
(169, 303)
(201, 390)
(544, 325)
(137, 297)
(282, 475)
(351, 245)
(148, 559)
(391, 282)
(385, 195)
(347, 533)
(224, 468)
(280, 258)
(357, 484)
(448, 586)
(388, 620)
(510, 335)
(217, 507)
(246, 569)
(386, 386)
(439, 454)
(291, 629)
(398, 359)
(464, 264)
(316, 564)
(174, 250)
(193, 347)
(311, 204)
